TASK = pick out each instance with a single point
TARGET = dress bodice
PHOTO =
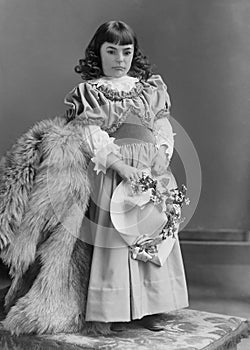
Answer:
(94, 102)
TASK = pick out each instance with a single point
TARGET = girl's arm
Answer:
(127, 172)
(106, 154)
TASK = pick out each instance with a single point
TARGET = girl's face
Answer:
(116, 59)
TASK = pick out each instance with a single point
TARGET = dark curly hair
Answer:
(119, 33)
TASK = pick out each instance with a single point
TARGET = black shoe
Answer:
(150, 323)
(117, 327)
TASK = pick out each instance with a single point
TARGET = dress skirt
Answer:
(120, 288)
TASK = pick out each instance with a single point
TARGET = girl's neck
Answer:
(124, 77)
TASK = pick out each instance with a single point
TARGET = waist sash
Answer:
(133, 131)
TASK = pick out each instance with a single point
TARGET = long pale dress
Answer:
(131, 123)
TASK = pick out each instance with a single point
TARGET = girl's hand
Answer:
(129, 173)
(160, 162)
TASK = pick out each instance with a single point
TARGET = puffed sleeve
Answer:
(159, 97)
(85, 104)
(163, 130)
(100, 145)
(88, 106)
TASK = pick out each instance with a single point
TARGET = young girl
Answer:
(118, 118)
(126, 111)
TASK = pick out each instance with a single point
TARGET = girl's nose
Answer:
(119, 57)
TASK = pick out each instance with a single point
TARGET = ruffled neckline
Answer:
(132, 88)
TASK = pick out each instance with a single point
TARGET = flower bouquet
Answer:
(156, 249)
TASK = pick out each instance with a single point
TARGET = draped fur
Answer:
(44, 194)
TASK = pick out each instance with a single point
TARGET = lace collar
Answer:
(118, 89)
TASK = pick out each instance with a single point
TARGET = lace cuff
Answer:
(164, 135)
(101, 154)
(100, 145)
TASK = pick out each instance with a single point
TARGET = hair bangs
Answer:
(119, 36)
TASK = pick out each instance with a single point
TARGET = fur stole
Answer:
(44, 194)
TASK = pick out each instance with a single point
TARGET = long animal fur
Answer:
(44, 196)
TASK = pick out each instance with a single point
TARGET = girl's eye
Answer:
(127, 53)
(111, 52)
